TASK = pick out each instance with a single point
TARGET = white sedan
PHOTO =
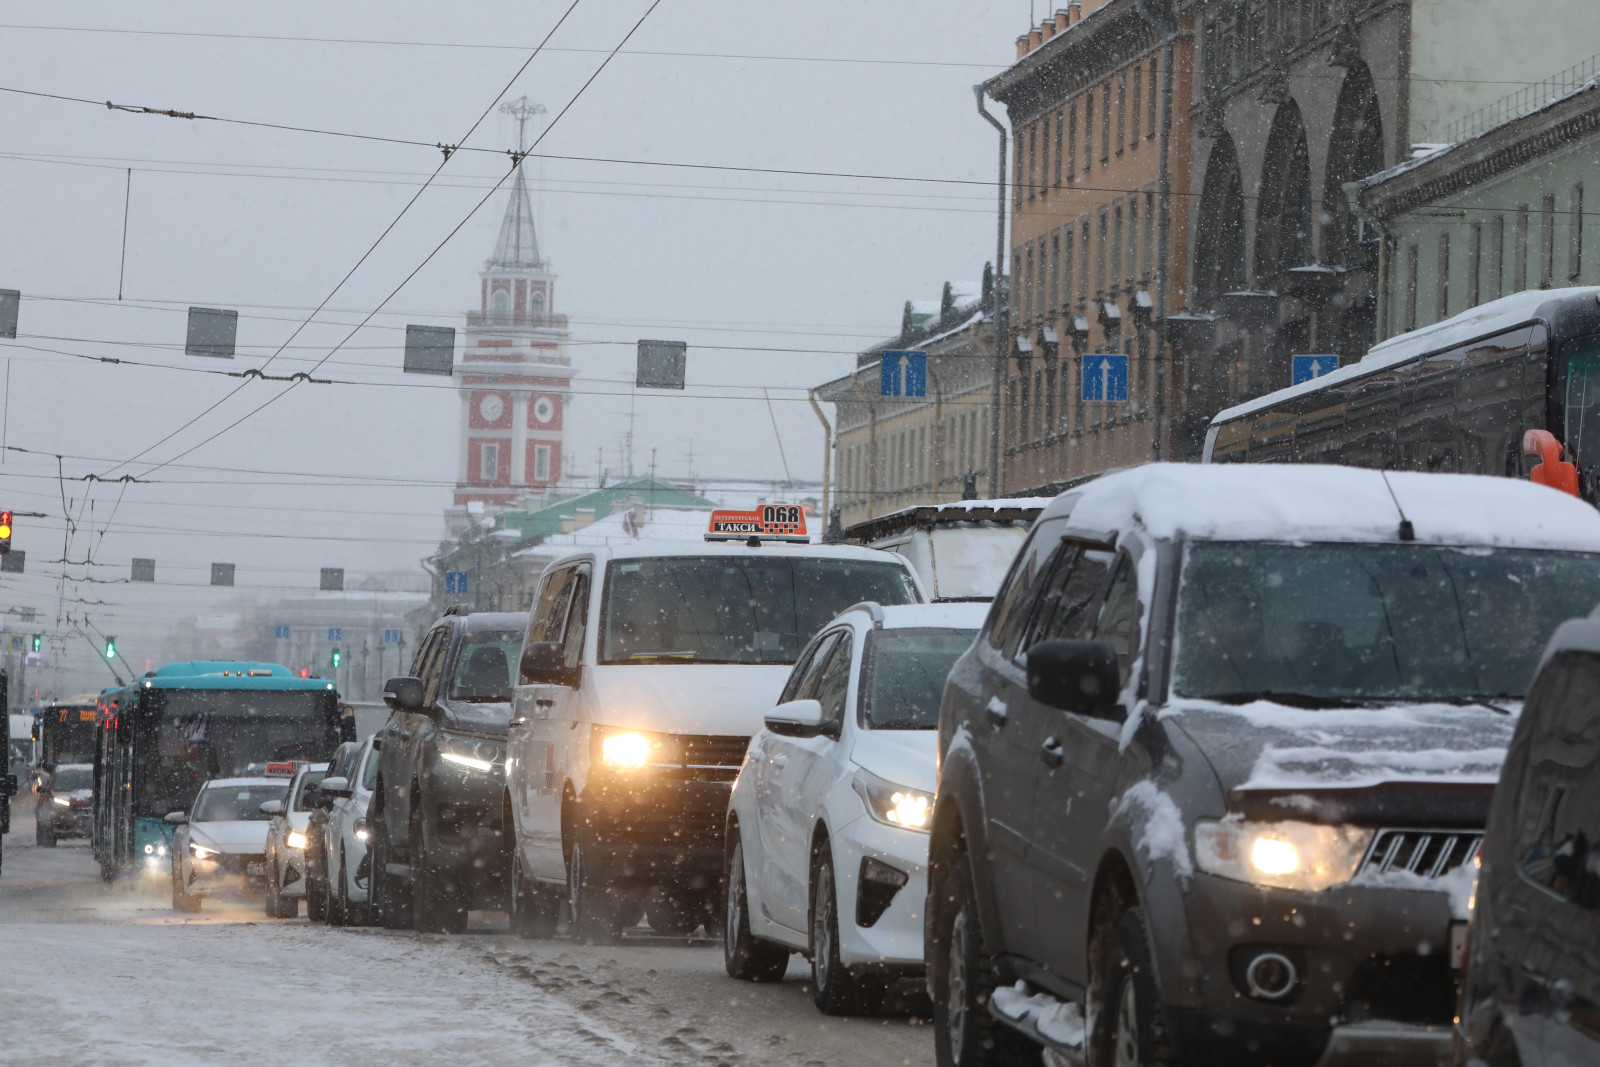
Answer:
(345, 843)
(221, 841)
(828, 821)
(287, 822)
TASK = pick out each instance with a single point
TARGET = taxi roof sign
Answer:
(281, 769)
(769, 522)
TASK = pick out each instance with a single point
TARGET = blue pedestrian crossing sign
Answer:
(455, 581)
(1308, 367)
(904, 374)
(335, 633)
(280, 633)
(391, 637)
(1105, 379)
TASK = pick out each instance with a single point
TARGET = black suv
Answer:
(1214, 773)
(440, 844)
(1531, 992)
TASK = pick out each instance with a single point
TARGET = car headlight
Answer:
(635, 750)
(361, 830)
(200, 852)
(1285, 855)
(296, 839)
(61, 802)
(894, 805)
(470, 752)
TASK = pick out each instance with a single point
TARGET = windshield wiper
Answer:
(1289, 699)
(662, 655)
(1461, 702)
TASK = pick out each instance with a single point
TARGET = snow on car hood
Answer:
(692, 698)
(489, 718)
(246, 838)
(904, 757)
(1267, 747)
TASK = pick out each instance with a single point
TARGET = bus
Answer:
(66, 731)
(169, 731)
(1459, 396)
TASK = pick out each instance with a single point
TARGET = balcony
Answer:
(515, 321)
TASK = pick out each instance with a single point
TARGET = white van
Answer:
(645, 671)
(960, 551)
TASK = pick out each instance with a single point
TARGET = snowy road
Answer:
(96, 974)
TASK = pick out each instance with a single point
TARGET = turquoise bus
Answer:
(171, 730)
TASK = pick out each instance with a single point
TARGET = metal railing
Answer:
(1524, 101)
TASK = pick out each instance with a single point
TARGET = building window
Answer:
(1100, 279)
(1061, 145)
(1547, 241)
(1016, 172)
(1066, 265)
(1027, 284)
(500, 304)
(1088, 131)
(1049, 397)
(1442, 307)
(1083, 257)
(1133, 115)
(1072, 141)
(1044, 159)
(541, 463)
(1411, 288)
(1150, 229)
(1133, 236)
(1116, 245)
(1150, 104)
(1474, 264)
(1122, 112)
(1519, 252)
(1038, 404)
(1575, 234)
(537, 302)
(1105, 123)
(1033, 160)
(489, 463)
(1014, 294)
(1052, 294)
(1497, 257)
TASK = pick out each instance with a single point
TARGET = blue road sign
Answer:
(455, 581)
(1309, 367)
(903, 374)
(1105, 379)
(280, 633)
(391, 637)
(335, 633)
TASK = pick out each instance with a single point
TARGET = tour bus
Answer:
(169, 731)
(66, 730)
(1459, 396)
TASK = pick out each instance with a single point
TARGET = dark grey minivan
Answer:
(1214, 775)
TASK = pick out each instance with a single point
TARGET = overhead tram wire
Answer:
(516, 164)
(446, 152)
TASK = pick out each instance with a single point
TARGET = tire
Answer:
(181, 899)
(964, 1033)
(835, 989)
(271, 903)
(535, 910)
(316, 889)
(391, 906)
(436, 904)
(745, 956)
(593, 915)
(1130, 1023)
(338, 898)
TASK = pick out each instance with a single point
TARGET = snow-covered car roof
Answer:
(956, 616)
(225, 782)
(74, 766)
(660, 549)
(1308, 502)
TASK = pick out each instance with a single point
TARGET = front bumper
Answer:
(294, 873)
(655, 829)
(152, 844)
(226, 871)
(67, 822)
(464, 809)
(894, 938)
(1372, 965)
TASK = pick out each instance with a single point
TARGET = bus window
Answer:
(1582, 414)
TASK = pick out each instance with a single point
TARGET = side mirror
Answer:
(272, 807)
(1076, 676)
(335, 787)
(403, 694)
(545, 663)
(175, 818)
(797, 718)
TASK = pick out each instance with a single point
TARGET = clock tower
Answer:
(514, 374)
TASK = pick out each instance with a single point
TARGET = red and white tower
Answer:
(514, 373)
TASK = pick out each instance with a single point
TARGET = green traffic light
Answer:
(38, 642)
(336, 658)
(111, 648)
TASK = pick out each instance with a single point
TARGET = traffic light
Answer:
(38, 642)
(5, 532)
(336, 657)
(111, 648)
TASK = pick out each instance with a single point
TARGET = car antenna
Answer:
(1407, 531)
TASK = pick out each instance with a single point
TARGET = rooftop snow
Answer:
(1305, 502)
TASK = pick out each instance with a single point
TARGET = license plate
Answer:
(255, 868)
(1458, 945)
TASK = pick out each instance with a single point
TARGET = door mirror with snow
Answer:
(797, 718)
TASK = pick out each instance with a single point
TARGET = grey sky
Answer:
(267, 222)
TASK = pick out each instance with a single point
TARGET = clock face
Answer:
(491, 407)
(544, 409)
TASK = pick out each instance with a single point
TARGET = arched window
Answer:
(500, 304)
(1283, 213)
(537, 302)
(1219, 237)
(1355, 150)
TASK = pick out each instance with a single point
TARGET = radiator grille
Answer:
(1426, 853)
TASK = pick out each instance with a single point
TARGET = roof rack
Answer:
(455, 609)
(871, 607)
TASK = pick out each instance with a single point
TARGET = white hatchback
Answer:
(221, 842)
(828, 820)
(347, 844)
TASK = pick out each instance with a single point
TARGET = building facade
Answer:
(1500, 211)
(514, 373)
(1098, 108)
(1292, 100)
(892, 452)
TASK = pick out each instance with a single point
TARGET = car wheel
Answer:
(964, 1033)
(316, 888)
(182, 900)
(1130, 1026)
(271, 904)
(436, 905)
(391, 906)
(593, 916)
(338, 901)
(744, 955)
(834, 988)
(534, 909)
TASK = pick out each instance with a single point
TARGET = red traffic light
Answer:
(5, 531)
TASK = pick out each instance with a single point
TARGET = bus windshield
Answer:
(67, 734)
(203, 734)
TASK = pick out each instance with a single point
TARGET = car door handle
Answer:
(1050, 753)
(996, 710)
(514, 723)
(779, 760)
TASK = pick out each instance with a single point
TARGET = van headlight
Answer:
(894, 805)
(1284, 855)
(631, 751)
(470, 752)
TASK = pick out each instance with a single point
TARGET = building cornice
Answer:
(1098, 44)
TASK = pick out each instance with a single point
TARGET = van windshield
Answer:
(721, 609)
(1349, 623)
